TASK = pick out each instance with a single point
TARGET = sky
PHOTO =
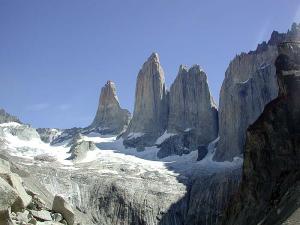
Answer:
(55, 55)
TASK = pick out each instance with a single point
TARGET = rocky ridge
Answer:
(250, 83)
(269, 192)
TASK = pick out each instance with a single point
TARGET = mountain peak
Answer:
(110, 117)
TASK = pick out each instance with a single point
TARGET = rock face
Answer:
(193, 115)
(110, 117)
(6, 117)
(250, 83)
(270, 188)
(151, 106)
(191, 105)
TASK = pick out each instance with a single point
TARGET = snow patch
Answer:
(187, 129)
(10, 124)
(135, 135)
(164, 137)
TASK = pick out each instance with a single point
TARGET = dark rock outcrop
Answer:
(179, 144)
(269, 192)
(151, 106)
(47, 135)
(110, 117)
(250, 83)
(202, 152)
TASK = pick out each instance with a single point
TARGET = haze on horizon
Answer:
(56, 55)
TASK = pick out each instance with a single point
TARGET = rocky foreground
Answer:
(114, 185)
(21, 205)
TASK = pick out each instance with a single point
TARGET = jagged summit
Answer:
(110, 117)
(193, 117)
(250, 83)
(191, 104)
(6, 117)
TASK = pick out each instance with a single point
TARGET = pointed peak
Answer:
(110, 83)
(154, 57)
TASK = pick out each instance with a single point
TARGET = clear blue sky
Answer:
(55, 55)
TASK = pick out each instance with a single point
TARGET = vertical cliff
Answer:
(149, 118)
(249, 84)
(270, 188)
(193, 115)
(192, 106)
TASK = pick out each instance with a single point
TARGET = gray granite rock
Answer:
(110, 117)
(193, 115)
(250, 83)
(16, 182)
(61, 206)
(41, 215)
(8, 196)
(151, 105)
(191, 105)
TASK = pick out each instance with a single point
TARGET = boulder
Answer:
(8, 196)
(61, 206)
(23, 217)
(41, 215)
(15, 182)
(110, 117)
